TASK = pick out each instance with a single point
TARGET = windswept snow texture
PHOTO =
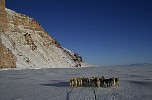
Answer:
(52, 84)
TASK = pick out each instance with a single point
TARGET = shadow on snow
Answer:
(59, 84)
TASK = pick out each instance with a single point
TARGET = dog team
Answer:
(94, 82)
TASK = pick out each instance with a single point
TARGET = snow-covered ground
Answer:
(52, 84)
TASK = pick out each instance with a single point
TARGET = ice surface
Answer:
(52, 84)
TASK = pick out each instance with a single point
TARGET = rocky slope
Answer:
(25, 44)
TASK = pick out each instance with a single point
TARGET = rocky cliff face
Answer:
(3, 19)
(7, 58)
(26, 45)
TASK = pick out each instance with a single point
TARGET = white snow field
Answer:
(52, 84)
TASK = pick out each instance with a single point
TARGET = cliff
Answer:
(3, 17)
(25, 44)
